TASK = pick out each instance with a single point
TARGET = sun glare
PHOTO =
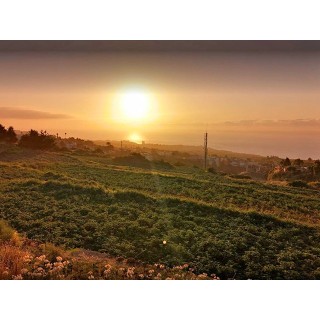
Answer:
(135, 137)
(134, 107)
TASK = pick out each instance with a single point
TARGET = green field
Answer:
(234, 228)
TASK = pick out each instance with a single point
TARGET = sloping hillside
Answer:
(24, 259)
(230, 227)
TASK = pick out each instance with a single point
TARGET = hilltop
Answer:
(215, 223)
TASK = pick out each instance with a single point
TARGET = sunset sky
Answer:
(256, 97)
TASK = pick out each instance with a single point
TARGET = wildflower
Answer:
(106, 273)
(58, 265)
(162, 266)
(5, 273)
(59, 259)
(108, 267)
(151, 272)
(24, 271)
(27, 258)
(164, 242)
(122, 270)
(141, 275)
(18, 277)
(90, 275)
(108, 270)
(130, 272)
(41, 258)
(37, 274)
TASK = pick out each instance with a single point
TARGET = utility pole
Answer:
(205, 150)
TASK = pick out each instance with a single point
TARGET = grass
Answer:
(29, 260)
(216, 224)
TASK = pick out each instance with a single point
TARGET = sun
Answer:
(135, 137)
(134, 107)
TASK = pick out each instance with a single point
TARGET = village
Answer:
(238, 165)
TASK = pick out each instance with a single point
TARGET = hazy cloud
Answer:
(20, 113)
(285, 122)
(251, 123)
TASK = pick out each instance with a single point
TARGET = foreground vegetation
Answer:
(23, 259)
(163, 215)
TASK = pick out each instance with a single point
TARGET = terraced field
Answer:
(234, 228)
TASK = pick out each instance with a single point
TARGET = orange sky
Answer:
(256, 100)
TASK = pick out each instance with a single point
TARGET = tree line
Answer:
(32, 139)
(7, 135)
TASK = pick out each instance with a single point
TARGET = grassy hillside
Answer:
(25, 259)
(230, 227)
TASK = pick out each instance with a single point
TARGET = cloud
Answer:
(19, 113)
(286, 122)
(263, 123)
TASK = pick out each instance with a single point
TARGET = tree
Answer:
(3, 133)
(298, 162)
(316, 167)
(35, 140)
(286, 162)
(109, 146)
(11, 135)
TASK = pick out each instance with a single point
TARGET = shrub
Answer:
(298, 184)
(50, 250)
(7, 234)
(35, 140)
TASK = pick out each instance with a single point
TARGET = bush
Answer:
(291, 169)
(51, 251)
(7, 234)
(35, 140)
(298, 184)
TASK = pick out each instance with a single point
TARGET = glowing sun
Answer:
(135, 137)
(134, 107)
